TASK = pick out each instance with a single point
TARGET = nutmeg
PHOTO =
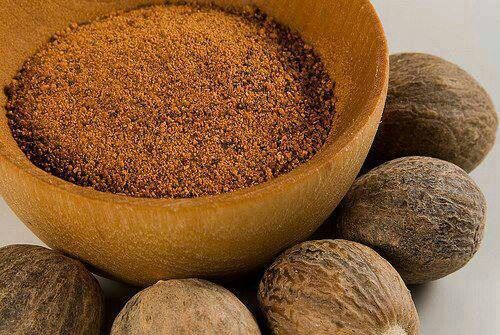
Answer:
(434, 109)
(44, 292)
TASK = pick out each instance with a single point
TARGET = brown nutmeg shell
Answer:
(336, 287)
(184, 307)
(44, 292)
(434, 109)
(426, 216)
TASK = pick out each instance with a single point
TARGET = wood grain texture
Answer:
(44, 292)
(185, 307)
(143, 240)
(336, 287)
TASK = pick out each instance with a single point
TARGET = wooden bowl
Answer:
(142, 240)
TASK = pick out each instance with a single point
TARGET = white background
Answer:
(466, 32)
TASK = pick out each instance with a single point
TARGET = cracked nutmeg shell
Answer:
(44, 292)
(434, 109)
(185, 307)
(336, 287)
(426, 216)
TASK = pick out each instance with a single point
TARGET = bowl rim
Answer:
(321, 158)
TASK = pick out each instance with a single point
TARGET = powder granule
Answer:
(172, 101)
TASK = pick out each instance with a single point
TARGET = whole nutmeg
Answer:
(188, 306)
(44, 292)
(426, 216)
(434, 109)
(336, 287)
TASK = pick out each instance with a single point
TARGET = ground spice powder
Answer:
(172, 101)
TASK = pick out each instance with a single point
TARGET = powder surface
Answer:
(172, 101)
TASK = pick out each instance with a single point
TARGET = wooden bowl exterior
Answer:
(142, 240)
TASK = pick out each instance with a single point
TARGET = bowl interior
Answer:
(355, 57)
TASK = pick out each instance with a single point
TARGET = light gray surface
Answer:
(466, 32)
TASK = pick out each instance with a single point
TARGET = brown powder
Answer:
(172, 101)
